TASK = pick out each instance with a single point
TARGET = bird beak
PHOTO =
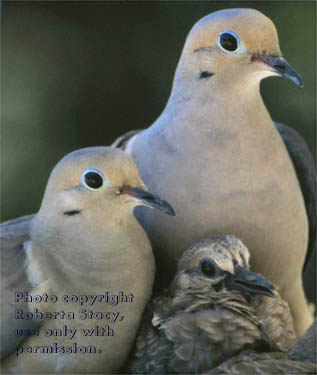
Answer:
(148, 199)
(281, 67)
(251, 282)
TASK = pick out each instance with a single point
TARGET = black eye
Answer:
(228, 41)
(208, 268)
(93, 179)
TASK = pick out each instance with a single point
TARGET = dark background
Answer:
(78, 74)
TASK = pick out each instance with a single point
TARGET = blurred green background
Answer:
(78, 74)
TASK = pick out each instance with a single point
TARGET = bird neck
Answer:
(202, 110)
(201, 298)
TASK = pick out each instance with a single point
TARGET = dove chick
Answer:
(215, 308)
(86, 241)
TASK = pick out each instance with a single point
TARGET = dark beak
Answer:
(281, 67)
(251, 282)
(148, 199)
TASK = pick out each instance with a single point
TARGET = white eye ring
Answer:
(235, 36)
(92, 179)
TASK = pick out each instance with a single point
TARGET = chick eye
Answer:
(92, 178)
(208, 268)
(228, 41)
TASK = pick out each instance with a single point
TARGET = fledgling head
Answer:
(89, 190)
(234, 45)
(219, 264)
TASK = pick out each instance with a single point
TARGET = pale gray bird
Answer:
(214, 309)
(217, 155)
(85, 241)
(300, 359)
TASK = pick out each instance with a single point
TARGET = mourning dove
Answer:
(216, 154)
(86, 242)
(300, 359)
(214, 309)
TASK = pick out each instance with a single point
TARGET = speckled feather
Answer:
(264, 364)
(300, 359)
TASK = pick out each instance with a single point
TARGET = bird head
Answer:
(219, 264)
(234, 45)
(89, 190)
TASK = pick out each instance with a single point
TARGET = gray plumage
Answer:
(305, 168)
(304, 165)
(300, 359)
(305, 348)
(214, 309)
(13, 278)
(263, 364)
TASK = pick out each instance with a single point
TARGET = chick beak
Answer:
(148, 199)
(281, 67)
(251, 282)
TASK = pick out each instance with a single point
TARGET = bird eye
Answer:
(208, 268)
(92, 178)
(228, 41)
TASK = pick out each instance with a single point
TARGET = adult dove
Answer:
(85, 241)
(214, 309)
(216, 154)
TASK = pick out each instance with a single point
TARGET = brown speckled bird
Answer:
(300, 359)
(214, 309)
